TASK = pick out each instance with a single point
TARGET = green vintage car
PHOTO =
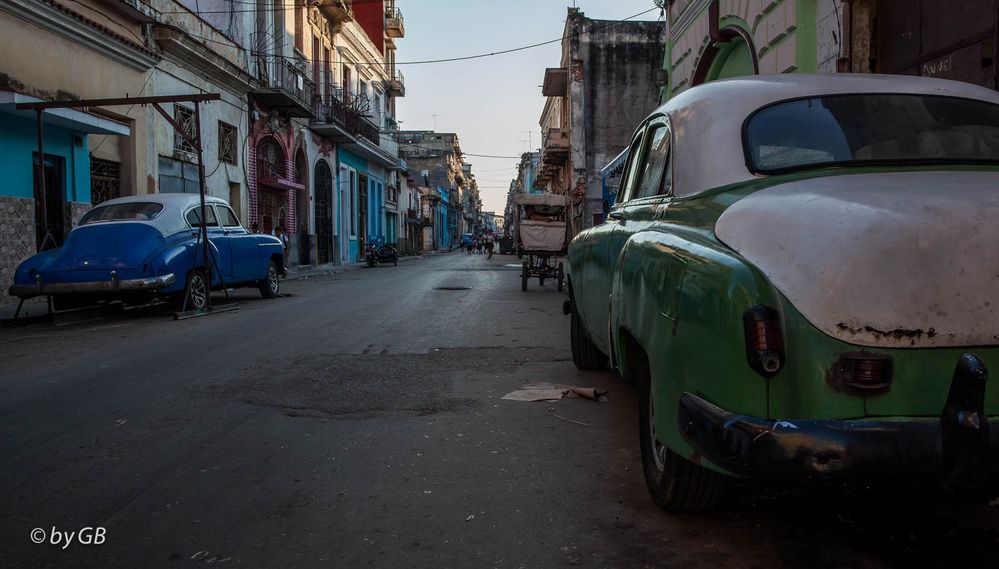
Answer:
(801, 274)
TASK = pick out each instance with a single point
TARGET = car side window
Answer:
(227, 216)
(630, 170)
(194, 217)
(655, 162)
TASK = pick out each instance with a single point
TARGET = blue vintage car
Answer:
(141, 246)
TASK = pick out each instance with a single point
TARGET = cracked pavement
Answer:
(358, 423)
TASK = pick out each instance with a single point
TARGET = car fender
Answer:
(681, 297)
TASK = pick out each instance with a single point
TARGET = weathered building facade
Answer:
(603, 87)
(435, 160)
(89, 156)
(714, 39)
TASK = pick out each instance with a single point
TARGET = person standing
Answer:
(280, 234)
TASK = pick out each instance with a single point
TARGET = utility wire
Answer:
(464, 57)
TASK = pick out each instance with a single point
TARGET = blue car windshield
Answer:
(874, 129)
(132, 211)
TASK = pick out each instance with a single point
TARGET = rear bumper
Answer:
(114, 284)
(961, 448)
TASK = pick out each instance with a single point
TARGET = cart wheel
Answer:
(561, 276)
(524, 274)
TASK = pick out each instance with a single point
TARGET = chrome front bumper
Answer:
(115, 284)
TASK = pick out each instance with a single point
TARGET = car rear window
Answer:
(132, 211)
(871, 128)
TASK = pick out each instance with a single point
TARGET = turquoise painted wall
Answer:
(352, 160)
(18, 142)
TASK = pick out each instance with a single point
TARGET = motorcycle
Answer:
(381, 254)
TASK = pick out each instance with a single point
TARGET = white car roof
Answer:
(707, 119)
(171, 219)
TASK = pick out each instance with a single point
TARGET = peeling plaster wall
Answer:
(611, 90)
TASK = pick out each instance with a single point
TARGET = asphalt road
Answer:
(358, 422)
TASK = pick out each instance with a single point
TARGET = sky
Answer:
(492, 103)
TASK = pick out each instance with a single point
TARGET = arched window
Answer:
(270, 159)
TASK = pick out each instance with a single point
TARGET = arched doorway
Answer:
(734, 59)
(732, 54)
(271, 202)
(323, 185)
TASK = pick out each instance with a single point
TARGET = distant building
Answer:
(603, 87)
(434, 160)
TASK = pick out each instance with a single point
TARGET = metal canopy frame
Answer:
(194, 139)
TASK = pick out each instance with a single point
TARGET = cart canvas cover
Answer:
(542, 235)
(545, 200)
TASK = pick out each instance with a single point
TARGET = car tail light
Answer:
(864, 373)
(764, 340)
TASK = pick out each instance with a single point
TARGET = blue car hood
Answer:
(107, 246)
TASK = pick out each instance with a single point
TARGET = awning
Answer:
(65, 118)
(615, 166)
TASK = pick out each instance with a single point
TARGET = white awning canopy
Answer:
(70, 119)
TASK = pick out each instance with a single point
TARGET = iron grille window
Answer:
(185, 118)
(228, 143)
(105, 180)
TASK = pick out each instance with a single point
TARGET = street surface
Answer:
(358, 422)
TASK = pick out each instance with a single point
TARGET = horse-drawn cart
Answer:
(541, 235)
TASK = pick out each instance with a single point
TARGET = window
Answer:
(133, 211)
(628, 177)
(227, 216)
(185, 118)
(655, 162)
(105, 180)
(228, 143)
(872, 128)
(194, 217)
(178, 176)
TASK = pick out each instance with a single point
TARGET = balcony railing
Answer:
(396, 85)
(395, 26)
(556, 146)
(287, 85)
(341, 109)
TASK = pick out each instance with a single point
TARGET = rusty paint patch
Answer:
(896, 334)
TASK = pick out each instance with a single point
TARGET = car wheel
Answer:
(676, 484)
(196, 293)
(270, 287)
(525, 273)
(585, 355)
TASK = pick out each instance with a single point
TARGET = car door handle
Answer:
(615, 215)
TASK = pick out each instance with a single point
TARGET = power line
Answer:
(464, 57)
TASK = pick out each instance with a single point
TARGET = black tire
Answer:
(585, 354)
(270, 287)
(197, 292)
(676, 484)
(525, 274)
(561, 276)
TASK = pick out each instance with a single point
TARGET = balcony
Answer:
(338, 117)
(556, 146)
(288, 87)
(396, 85)
(338, 11)
(394, 25)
